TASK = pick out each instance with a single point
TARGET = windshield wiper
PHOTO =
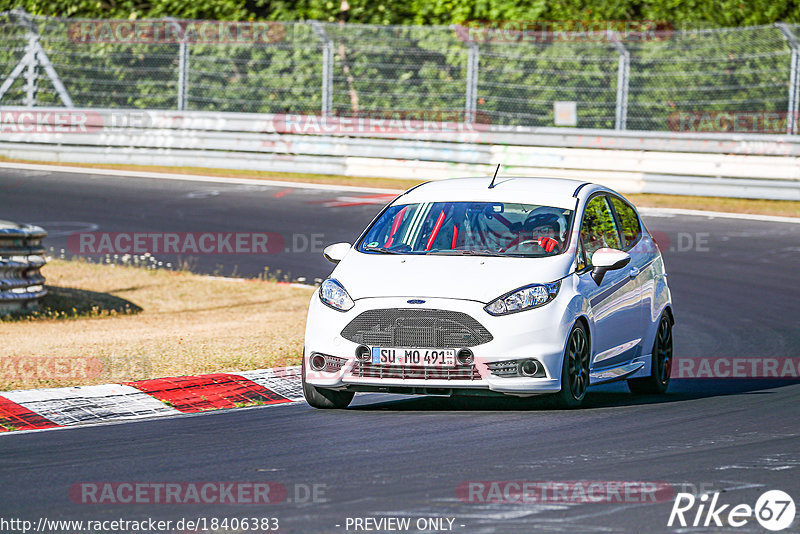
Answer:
(382, 250)
(465, 253)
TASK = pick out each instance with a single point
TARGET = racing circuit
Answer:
(734, 284)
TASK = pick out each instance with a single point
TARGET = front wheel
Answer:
(661, 366)
(323, 398)
(575, 369)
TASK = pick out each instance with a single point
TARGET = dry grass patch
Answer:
(111, 323)
(783, 208)
(332, 179)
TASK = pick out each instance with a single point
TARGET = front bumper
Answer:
(539, 333)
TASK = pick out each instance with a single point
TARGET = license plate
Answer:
(423, 357)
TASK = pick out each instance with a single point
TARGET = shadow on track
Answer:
(604, 396)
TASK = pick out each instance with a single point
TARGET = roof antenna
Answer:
(491, 185)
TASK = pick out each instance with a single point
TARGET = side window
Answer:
(580, 264)
(629, 222)
(598, 229)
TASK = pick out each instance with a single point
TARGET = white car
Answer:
(471, 286)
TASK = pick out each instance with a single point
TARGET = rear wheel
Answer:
(575, 370)
(661, 367)
(324, 398)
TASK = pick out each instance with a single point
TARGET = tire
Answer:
(323, 398)
(661, 368)
(575, 369)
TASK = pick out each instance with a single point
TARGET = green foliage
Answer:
(680, 13)
(396, 64)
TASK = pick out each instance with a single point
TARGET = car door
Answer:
(634, 241)
(615, 304)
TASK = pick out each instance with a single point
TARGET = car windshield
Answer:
(469, 228)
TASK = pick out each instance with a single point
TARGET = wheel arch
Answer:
(668, 311)
(582, 319)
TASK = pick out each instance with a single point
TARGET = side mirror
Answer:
(608, 259)
(334, 253)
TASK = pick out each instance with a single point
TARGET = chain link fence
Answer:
(357, 70)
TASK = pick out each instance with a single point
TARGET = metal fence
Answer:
(348, 70)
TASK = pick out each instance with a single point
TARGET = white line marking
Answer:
(655, 212)
(56, 229)
(330, 187)
(195, 178)
(741, 485)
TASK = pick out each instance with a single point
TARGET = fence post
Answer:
(183, 73)
(794, 83)
(183, 65)
(471, 104)
(623, 78)
(32, 67)
(327, 67)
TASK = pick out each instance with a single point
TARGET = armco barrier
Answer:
(21, 258)
(714, 164)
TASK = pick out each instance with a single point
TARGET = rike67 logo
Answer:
(774, 510)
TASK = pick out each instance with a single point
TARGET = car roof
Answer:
(556, 192)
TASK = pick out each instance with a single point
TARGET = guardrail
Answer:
(21, 258)
(734, 165)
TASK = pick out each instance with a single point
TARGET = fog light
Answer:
(363, 353)
(465, 357)
(528, 367)
(317, 362)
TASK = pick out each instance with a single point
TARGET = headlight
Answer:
(332, 294)
(524, 298)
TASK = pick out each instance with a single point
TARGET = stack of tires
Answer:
(21, 260)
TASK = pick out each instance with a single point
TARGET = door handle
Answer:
(634, 272)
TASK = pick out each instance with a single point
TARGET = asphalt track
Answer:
(735, 291)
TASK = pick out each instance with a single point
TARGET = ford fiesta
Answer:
(476, 286)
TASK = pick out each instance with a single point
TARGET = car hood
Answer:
(479, 278)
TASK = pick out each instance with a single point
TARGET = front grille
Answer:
(420, 328)
(418, 372)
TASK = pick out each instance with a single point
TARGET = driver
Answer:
(544, 229)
